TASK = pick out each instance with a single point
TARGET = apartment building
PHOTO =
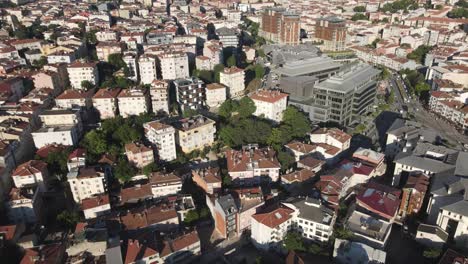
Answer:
(164, 184)
(234, 79)
(105, 102)
(174, 65)
(163, 137)
(86, 182)
(106, 48)
(215, 94)
(133, 102)
(147, 69)
(74, 99)
(190, 93)
(139, 154)
(331, 136)
(228, 37)
(30, 174)
(413, 194)
(270, 104)
(131, 60)
(252, 164)
(76, 159)
(307, 216)
(58, 127)
(453, 218)
(159, 93)
(95, 206)
(280, 25)
(332, 32)
(195, 133)
(25, 207)
(213, 51)
(81, 71)
(209, 179)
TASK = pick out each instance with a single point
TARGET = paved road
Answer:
(446, 130)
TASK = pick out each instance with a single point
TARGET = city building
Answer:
(190, 93)
(332, 32)
(234, 79)
(139, 154)
(270, 104)
(209, 179)
(195, 132)
(78, 72)
(133, 102)
(74, 99)
(228, 37)
(212, 53)
(147, 69)
(25, 206)
(30, 174)
(164, 184)
(453, 218)
(174, 65)
(163, 137)
(76, 159)
(86, 182)
(343, 98)
(251, 165)
(159, 93)
(131, 60)
(58, 127)
(106, 48)
(95, 206)
(215, 94)
(105, 102)
(413, 194)
(280, 25)
(350, 252)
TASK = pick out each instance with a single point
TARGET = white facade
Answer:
(198, 136)
(67, 136)
(174, 65)
(79, 72)
(96, 211)
(234, 79)
(159, 96)
(270, 104)
(449, 216)
(132, 102)
(215, 94)
(147, 68)
(163, 136)
(86, 187)
(105, 102)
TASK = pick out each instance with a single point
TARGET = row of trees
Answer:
(399, 5)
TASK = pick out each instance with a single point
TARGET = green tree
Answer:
(286, 160)
(462, 3)
(421, 88)
(148, 169)
(432, 253)
(359, 9)
(206, 76)
(91, 37)
(189, 113)
(259, 71)
(419, 54)
(298, 122)
(359, 16)
(458, 13)
(278, 138)
(124, 171)
(57, 162)
(95, 142)
(246, 107)
(87, 85)
(231, 61)
(216, 70)
(293, 241)
(343, 233)
(40, 62)
(191, 217)
(67, 219)
(116, 61)
(227, 107)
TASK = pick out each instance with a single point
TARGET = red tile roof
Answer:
(29, 168)
(269, 96)
(46, 150)
(77, 153)
(275, 217)
(239, 160)
(298, 176)
(95, 201)
(336, 133)
(106, 93)
(136, 252)
(380, 199)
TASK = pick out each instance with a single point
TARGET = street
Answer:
(413, 106)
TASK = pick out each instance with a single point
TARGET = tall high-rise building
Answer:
(281, 26)
(190, 93)
(332, 31)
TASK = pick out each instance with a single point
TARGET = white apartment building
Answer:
(104, 49)
(270, 104)
(132, 102)
(163, 137)
(131, 60)
(80, 71)
(159, 96)
(147, 69)
(105, 102)
(195, 133)
(453, 218)
(67, 136)
(174, 65)
(234, 79)
(331, 136)
(306, 216)
(215, 94)
(30, 174)
(86, 183)
(72, 99)
(58, 117)
(95, 206)
(76, 159)
(165, 184)
(106, 36)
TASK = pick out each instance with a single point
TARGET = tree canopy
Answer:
(359, 9)
(359, 16)
(293, 241)
(419, 54)
(231, 61)
(399, 5)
